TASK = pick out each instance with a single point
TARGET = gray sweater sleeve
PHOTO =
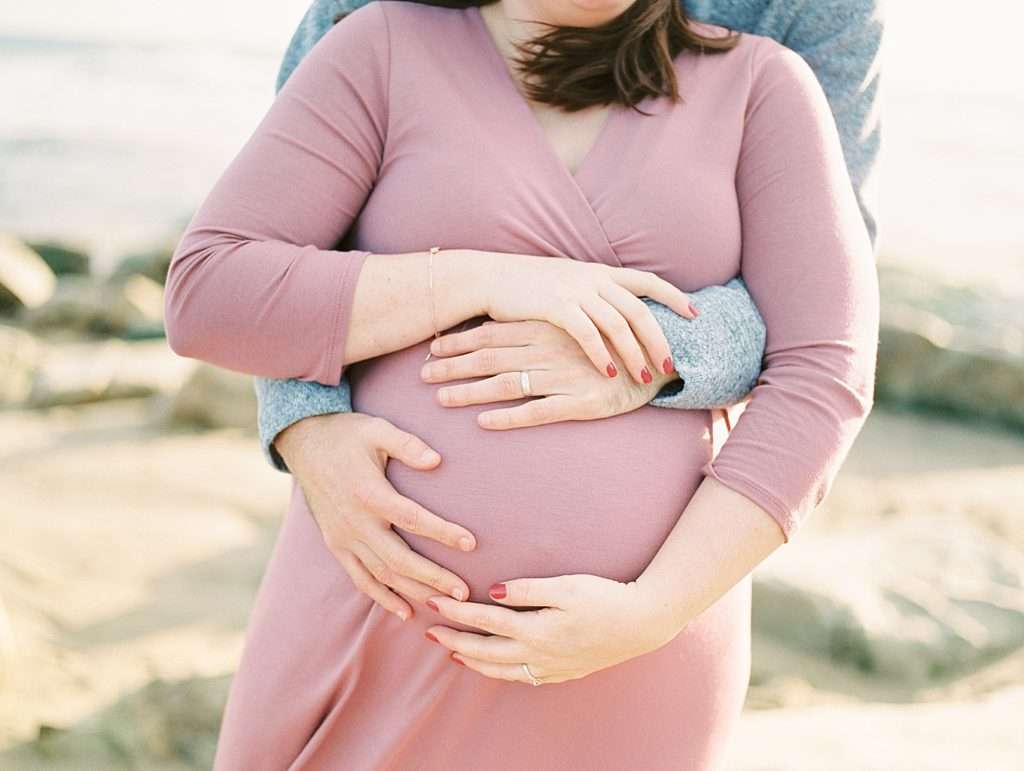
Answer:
(719, 354)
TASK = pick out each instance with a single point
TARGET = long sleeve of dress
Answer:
(842, 42)
(809, 264)
(255, 284)
(718, 356)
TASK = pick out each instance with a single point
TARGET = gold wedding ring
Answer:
(524, 382)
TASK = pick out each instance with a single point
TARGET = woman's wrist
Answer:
(461, 279)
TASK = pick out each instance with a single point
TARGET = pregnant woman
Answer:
(404, 130)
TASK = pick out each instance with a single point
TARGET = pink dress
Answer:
(402, 129)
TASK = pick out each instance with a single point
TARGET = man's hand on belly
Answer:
(561, 376)
(339, 461)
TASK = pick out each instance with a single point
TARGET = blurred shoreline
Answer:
(124, 119)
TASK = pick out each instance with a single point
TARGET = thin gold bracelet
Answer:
(430, 288)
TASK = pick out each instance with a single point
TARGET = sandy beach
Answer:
(106, 597)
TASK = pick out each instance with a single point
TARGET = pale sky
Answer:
(953, 167)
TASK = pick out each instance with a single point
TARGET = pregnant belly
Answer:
(597, 496)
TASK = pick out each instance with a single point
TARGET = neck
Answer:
(508, 22)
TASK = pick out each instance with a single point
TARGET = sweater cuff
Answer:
(718, 355)
(281, 402)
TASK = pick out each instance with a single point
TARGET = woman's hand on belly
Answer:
(585, 623)
(596, 304)
(560, 374)
(339, 461)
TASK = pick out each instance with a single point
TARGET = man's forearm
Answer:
(283, 402)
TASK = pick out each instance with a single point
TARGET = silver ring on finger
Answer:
(529, 674)
(524, 382)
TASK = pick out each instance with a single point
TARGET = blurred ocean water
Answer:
(118, 117)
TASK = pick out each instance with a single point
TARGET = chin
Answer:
(588, 13)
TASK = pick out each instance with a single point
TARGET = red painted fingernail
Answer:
(498, 591)
(430, 637)
(456, 658)
(433, 605)
(666, 365)
(694, 310)
(646, 375)
(610, 369)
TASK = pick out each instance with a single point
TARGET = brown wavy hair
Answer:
(623, 60)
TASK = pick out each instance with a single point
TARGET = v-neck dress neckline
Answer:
(518, 104)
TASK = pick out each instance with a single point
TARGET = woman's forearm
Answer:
(394, 308)
(721, 536)
(234, 302)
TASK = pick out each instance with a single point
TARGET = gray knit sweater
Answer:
(719, 354)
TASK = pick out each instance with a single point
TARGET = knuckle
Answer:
(394, 563)
(483, 335)
(363, 494)
(441, 584)
(498, 419)
(527, 632)
(499, 624)
(362, 582)
(335, 544)
(381, 571)
(407, 443)
(619, 326)
(487, 360)
(634, 312)
(408, 518)
(372, 427)
(444, 395)
(591, 336)
(538, 331)
(523, 592)
(509, 384)
(532, 636)
(631, 273)
(536, 410)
